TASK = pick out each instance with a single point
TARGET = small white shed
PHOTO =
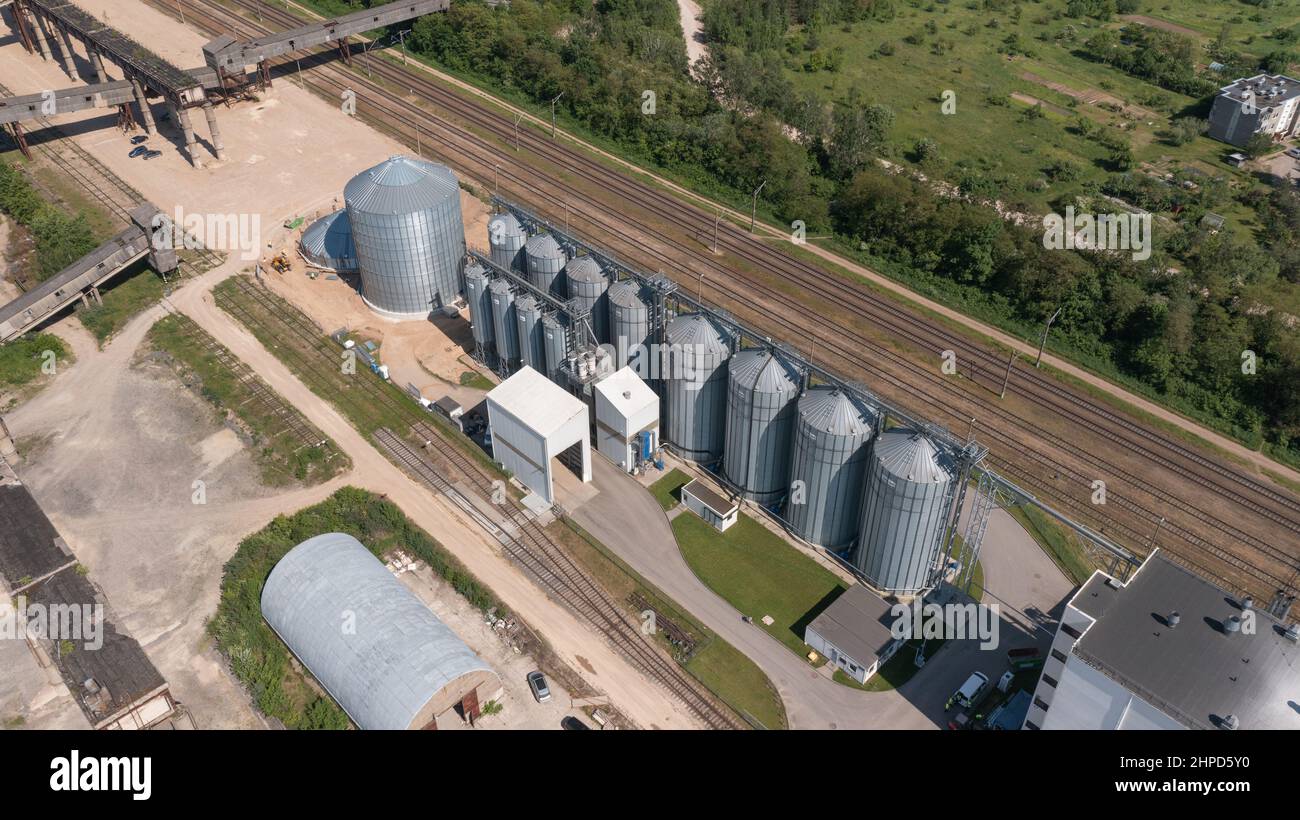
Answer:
(625, 409)
(532, 421)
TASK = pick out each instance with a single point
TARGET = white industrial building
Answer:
(533, 421)
(718, 510)
(627, 419)
(1166, 650)
(855, 633)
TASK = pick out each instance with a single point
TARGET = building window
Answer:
(1059, 655)
(1071, 631)
(1049, 680)
(1040, 703)
(1029, 724)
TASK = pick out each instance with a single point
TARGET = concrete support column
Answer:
(211, 114)
(66, 43)
(141, 100)
(97, 60)
(41, 39)
(182, 116)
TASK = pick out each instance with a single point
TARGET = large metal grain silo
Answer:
(832, 437)
(556, 342)
(546, 259)
(587, 284)
(504, 324)
(506, 239)
(629, 326)
(761, 392)
(694, 369)
(408, 236)
(480, 311)
(904, 510)
(528, 318)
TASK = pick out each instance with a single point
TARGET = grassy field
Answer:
(722, 668)
(22, 359)
(124, 298)
(759, 574)
(256, 656)
(666, 488)
(280, 454)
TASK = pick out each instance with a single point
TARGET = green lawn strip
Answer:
(279, 453)
(22, 360)
(256, 656)
(1061, 546)
(759, 574)
(726, 671)
(666, 489)
(125, 297)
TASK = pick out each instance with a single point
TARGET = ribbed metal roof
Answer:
(913, 457)
(368, 639)
(830, 410)
(759, 370)
(528, 302)
(328, 242)
(697, 331)
(504, 225)
(499, 286)
(401, 185)
(476, 270)
(543, 246)
(625, 294)
(584, 269)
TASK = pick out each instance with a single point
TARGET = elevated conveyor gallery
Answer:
(85, 275)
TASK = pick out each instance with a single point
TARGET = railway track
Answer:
(1159, 507)
(529, 545)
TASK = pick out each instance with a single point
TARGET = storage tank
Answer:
(408, 235)
(587, 284)
(504, 324)
(328, 243)
(528, 318)
(555, 340)
(761, 392)
(629, 326)
(832, 437)
(904, 510)
(506, 238)
(694, 369)
(480, 311)
(546, 261)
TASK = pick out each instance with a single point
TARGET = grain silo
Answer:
(528, 318)
(555, 341)
(761, 391)
(327, 243)
(504, 324)
(832, 440)
(629, 327)
(408, 235)
(546, 259)
(694, 368)
(904, 511)
(506, 238)
(480, 311)
(587, 284)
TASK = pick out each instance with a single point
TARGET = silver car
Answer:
(537, 683)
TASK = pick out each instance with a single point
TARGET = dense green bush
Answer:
(60, 239)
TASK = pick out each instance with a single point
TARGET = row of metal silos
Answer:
(816, 446)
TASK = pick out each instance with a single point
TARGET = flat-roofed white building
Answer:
(627, 412)
(532, 421)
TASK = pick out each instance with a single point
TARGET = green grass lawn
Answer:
(476, 380)
(759, 574)
(131, 294)
(666, 489)
(22, 359)
(1062, 546)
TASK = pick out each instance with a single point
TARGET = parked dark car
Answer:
(573, 724)
(139, 138)
(138, 152)
(152, 154)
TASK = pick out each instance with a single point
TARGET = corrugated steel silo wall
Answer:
(591, 296)
(556, 343)
(528, 316)
(410, 263)
(697, 406)
(629, 326)
(901, 530)
(760, 430)
(504, 324)
(832, 468)
(480, 309)
(544, 272)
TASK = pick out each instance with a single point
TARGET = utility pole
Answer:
(181, 9)
(699, 294)
(1155, 534)
(1007, 378)
(753, 211)
(518, 119)
(496, 179)
(553, 102)
(401, 36)
(1043, 343)
(419, 152)
(716, 220)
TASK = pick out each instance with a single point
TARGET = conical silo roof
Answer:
(584, 269)
(763, 372)
(543, 246)
(625, 294)
(328, 242)
(696, 332)
(832, 412)
(401, 185)
(911, 456)
(504, 224)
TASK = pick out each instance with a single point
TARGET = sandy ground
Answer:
(692, 30)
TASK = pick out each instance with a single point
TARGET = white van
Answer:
(970, 691)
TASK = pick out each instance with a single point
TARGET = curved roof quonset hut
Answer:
(374, 646)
